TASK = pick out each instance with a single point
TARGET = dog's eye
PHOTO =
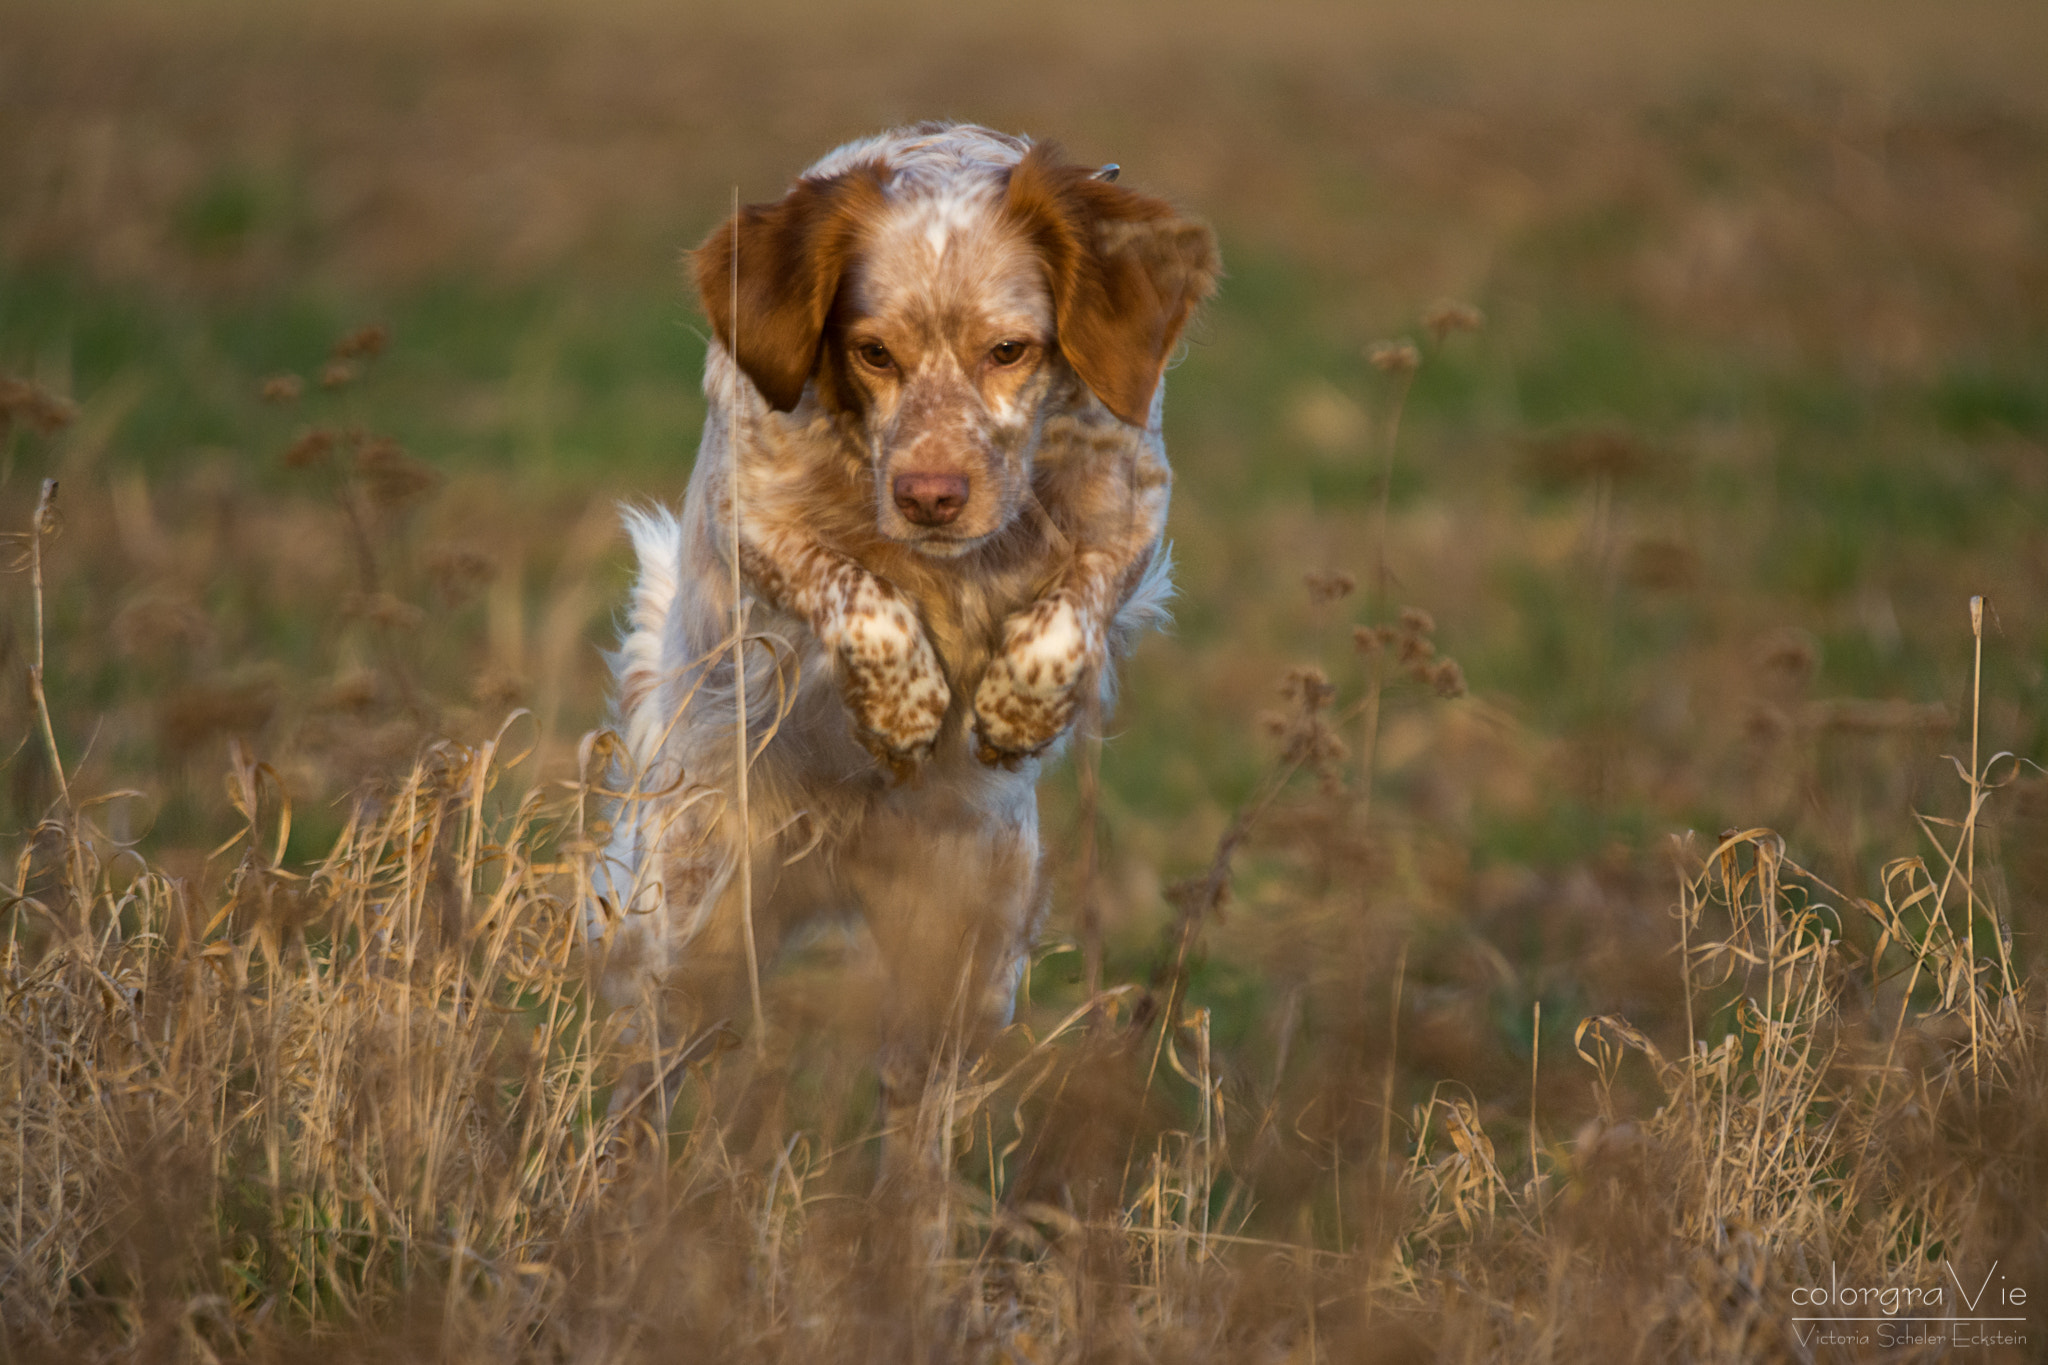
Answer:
(1007, 352)
(874, 355)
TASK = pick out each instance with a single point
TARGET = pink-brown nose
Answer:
(930, 499)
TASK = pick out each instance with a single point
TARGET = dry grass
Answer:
(1385, 1017)
(354, 1108)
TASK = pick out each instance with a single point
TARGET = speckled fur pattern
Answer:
(937, 302)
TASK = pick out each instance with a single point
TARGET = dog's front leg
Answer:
(894, 686)
(1028, 696)
(1108, 499)
(1052, 653)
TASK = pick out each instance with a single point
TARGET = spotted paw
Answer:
(1028, 696)
(894, 687)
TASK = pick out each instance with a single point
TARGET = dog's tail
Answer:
(657, 536)
(620, 882)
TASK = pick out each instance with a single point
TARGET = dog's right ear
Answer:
(791, 256)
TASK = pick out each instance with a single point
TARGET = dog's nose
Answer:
(930, 499)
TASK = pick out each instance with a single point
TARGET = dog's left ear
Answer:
(1126, 271)
(792, 254)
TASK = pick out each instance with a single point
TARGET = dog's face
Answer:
(942, 324)
(941, 351)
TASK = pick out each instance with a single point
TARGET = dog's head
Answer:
(938, 316)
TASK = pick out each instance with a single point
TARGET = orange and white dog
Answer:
(934, 391)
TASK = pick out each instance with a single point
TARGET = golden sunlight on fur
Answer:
(935, 394)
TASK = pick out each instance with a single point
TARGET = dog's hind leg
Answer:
(948, 881)
(678, 956)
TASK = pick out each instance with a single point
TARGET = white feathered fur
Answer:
(908, 666)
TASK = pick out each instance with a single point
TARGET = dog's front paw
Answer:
(1027, 698)
(894, 687)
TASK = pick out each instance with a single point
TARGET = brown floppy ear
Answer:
(791, 256)
(1125, 270)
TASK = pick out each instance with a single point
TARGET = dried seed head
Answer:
(283, 388)
(1397, 358)
(390, 476)
(1416, 621)
(1415, 650)
(365, 343)
(1308, 686)
(1660, 564)
(1328, 585)
(46, 521)
(1446, 316)
(1366, 638)
(1304, 731)
(33, 406)
(1584, 455)
(1787, 658)
(339, 373)
(459, 572)
(1448, 679)
(311, 449)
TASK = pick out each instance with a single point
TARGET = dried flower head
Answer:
(1446, 316)
(1785, 662)
(1397, 358)
(1584, 455)
(1416, 621)
(390, 476)
(311, 449)
(34, 407)
(283, 388)
(1303, 730)
(1308, 687)
(339, 373)
(1660, 564)
(459, 572)
(1448, 679)
(1366, 638)
(1329, 585)
(365, 343)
